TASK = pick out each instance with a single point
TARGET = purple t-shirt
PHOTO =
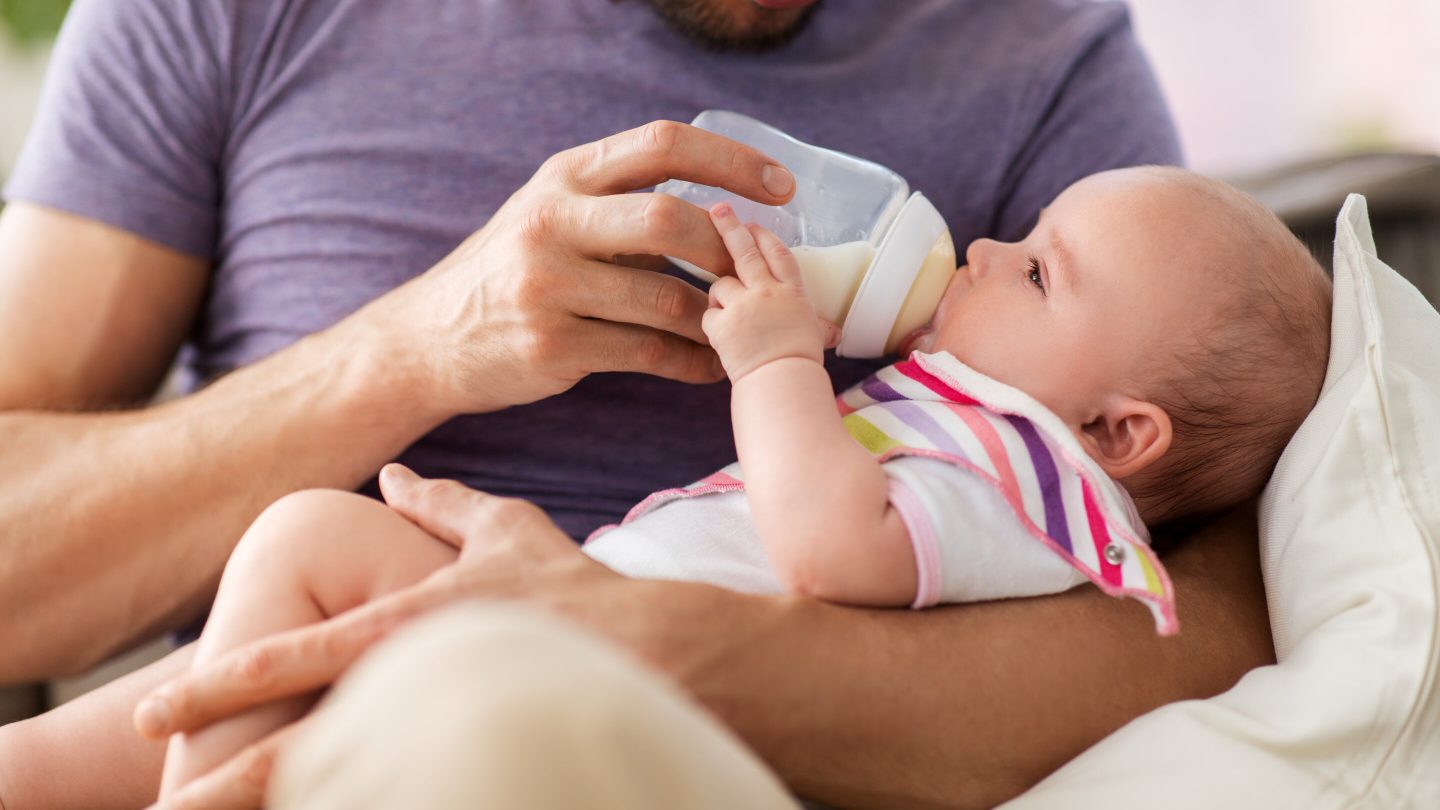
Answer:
(321, 152)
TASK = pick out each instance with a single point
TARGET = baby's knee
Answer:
(308, 521)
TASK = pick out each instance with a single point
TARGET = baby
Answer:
(1143, 355)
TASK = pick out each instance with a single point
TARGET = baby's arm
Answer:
(819, 499)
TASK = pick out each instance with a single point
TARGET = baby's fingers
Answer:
(750, 264)
(725, 291)
(778, 256)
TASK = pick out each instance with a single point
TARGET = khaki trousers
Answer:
(486, 706)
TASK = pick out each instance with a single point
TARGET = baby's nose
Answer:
(976, 257)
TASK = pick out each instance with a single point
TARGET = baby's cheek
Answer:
(967, 335)
(992, 350)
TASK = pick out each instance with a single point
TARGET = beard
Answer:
(733, 25)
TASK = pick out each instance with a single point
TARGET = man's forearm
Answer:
(963, 706)
(116, 525)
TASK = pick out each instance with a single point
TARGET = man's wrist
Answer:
(383, 376)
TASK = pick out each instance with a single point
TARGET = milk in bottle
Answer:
(875, 258)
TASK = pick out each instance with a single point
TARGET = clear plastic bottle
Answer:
(875, 258)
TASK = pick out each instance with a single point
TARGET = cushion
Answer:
(1350, 547)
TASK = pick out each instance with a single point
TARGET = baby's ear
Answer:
(1127, 436)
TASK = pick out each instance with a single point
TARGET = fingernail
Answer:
(721, 210)
(152, 717)
(398, 474)
(777, 179)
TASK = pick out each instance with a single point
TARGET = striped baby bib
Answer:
(933, 405)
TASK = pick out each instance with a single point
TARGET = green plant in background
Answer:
(31, 22)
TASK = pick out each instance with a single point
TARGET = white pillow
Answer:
(1350, 546)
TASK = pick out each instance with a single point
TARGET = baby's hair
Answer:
(1240, 384)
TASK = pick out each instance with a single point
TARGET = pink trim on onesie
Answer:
(922, 540)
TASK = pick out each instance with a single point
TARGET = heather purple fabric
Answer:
(322, 152)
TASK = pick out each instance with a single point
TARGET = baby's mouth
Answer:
(911, 341)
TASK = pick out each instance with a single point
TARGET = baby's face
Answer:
(1070, 313)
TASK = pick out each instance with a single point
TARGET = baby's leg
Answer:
(308, 557)
(86, 754)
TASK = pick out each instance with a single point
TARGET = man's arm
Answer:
(954, 707)
(963, 706)
(117, 524)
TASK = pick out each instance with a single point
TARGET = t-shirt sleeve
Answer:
(1100, 109)
(131, 124)
(969, 545)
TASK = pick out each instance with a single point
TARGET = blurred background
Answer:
(1253, 85)
(26, 30)
(1258, 85)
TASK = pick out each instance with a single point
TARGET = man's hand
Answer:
(509, 549)
(237, 784)
(535, 300)
(761, 313)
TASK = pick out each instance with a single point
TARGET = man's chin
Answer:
(737, 25)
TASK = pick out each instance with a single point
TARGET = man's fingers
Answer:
(625, 347)
(750, 266)
(641, 297)
(403, 490)
(666, 150)
(473, 520)
(239, 783)
(280, 666)
(604, 227)
(446, 509)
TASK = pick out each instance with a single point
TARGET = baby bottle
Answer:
(875, 258)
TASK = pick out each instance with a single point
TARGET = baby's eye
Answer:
(1033, 273)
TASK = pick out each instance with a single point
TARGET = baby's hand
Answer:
(761, 313)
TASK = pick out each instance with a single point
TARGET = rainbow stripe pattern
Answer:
(933, 405)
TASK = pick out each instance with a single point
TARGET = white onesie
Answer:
(997, 495)
(984, 552)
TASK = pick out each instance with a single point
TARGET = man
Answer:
(267, 182)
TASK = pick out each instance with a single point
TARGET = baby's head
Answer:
(1170, 320)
